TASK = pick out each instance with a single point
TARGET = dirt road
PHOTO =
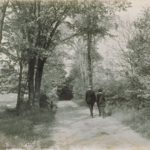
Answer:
(75, 130)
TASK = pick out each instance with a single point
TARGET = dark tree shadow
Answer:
(34, 127)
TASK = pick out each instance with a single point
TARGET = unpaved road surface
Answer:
(74, 129)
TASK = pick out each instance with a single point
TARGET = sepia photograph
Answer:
(74, 75)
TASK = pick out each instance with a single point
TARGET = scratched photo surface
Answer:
(74, 74)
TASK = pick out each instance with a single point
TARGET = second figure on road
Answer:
(101, 102)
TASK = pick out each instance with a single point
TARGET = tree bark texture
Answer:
(31, 83)
(19, 97)
(38, 78)
(3, 13)
(89, 60)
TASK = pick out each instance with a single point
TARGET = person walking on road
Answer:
(90, 99)
(101, 102)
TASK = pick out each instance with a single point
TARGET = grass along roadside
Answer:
(30, 129)
(138, 120)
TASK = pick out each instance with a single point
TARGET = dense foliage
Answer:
(31, 32)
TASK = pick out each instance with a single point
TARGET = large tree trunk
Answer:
(38, 78)
(31, 83)
(19, 97)
(89, 60)
(3, 12)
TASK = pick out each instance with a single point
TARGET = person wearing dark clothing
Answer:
(90, 99)
(101, 102)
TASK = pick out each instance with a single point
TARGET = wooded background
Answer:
(37, 37)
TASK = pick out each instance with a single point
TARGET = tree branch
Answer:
(59, 20)
(3, 11)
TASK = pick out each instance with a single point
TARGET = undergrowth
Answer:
(18, 131)
(138, 120)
